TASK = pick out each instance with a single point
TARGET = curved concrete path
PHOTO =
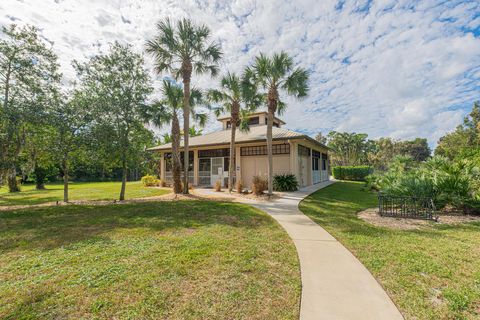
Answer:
(335, 285)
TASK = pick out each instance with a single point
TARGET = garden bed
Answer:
(373, 217)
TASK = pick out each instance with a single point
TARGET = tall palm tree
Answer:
(232, 94)
(181, 49)
(167, 112)
(273, 74)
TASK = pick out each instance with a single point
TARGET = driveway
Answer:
(335, 285)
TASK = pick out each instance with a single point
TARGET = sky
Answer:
(401, 69)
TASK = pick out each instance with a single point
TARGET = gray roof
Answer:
(256, 133)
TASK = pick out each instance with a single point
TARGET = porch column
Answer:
(327, 165)
(238, 163)
(310, 165)
(195, 167)
(162, 166)
(294, 159)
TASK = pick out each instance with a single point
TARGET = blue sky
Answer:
(388, 68)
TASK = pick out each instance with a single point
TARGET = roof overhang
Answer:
(303, 137)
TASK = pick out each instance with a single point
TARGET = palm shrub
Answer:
(446, 182)
(285, 182)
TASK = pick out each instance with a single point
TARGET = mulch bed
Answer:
(372, 216)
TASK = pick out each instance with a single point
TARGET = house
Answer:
(293, 152)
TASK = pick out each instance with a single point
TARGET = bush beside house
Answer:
(151, 181)
(285, 182)
(259, 185)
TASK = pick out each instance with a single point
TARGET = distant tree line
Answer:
(354, 149)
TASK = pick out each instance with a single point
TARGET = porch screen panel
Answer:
(204, 171)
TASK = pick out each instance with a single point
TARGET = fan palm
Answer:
(274, 74)
(193, 132)
(167, 112)
(181, 49)
(233, 93)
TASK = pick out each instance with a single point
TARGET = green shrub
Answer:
(452, 183)
(352, 173)
(150, 181)
(285, 182)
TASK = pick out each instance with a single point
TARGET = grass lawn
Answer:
(156, 260)
(77, 191)
(430, 274)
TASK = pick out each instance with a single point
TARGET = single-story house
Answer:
(293, 153)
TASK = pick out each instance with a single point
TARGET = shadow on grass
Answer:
(26, 200)
(53, 227)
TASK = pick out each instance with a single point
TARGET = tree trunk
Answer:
(65, 180)
(269, 152)
(177, 183)
(12, 180)
(186, 73)
(124, 178)
(231, 166)
(272, 108)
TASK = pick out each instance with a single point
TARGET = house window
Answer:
(275, 123)
(214, 153)
(324, 161)
(253, 121)
(226, 163)
(303, 151)
(315, 162)
(262, 150)
(316, 156)
(169, 165)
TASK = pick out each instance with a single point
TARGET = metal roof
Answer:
(227, 116)
(256, 133)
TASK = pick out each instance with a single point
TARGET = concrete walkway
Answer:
(335, 285)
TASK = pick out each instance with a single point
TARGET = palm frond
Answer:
(244, 115)
(297, 83)
(281, 107)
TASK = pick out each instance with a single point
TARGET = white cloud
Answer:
(387, 68)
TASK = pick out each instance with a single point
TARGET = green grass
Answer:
(433, 273)
(77, 191)
(156, 260)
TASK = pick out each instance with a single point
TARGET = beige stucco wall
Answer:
(258, 166)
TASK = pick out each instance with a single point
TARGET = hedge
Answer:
(352, 173)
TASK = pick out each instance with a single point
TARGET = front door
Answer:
(217, 170)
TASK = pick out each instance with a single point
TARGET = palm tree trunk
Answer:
(233, 121)
(272, 108)
(269, 152)
(187, 73)
(177, 184)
